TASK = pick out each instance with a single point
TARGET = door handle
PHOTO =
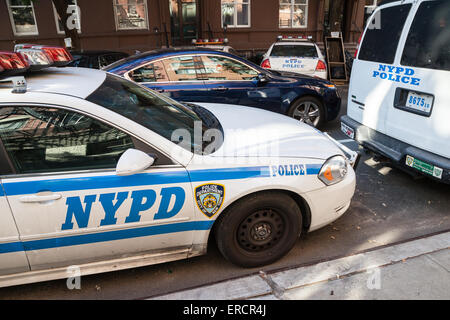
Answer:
(160, 90)
(36, 198)
(220, 89)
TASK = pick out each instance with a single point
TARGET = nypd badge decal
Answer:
(209, 198)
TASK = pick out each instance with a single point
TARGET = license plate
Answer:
(349, 132)
(424, 167)
(419, 102)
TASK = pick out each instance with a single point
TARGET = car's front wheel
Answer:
(259, 229)
(308, 110)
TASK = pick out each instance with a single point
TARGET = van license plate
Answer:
(424, 167)
(419, 102)
(349, 132)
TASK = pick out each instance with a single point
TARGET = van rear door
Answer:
(419, 108)
(372, 83)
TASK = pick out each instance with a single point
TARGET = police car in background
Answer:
(399, 97)
(102, 173)
(296, 54)
(218, 44)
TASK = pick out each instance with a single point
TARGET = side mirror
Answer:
(261, 79)
(133, 161)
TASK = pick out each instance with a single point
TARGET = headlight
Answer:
(333, 171)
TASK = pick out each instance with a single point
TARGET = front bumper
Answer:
(400, 153)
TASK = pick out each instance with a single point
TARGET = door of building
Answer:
(184, 18)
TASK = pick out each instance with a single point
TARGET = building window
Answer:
(293, 13)
(236, 13)
(22, 17)
(131, 14)
(76, 22)
(369, 8)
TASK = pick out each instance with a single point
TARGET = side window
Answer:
(41, 139)
(184, 68)
(381, 40)
(106, 60)
(152, 72)
(221, 68)
(428, 42)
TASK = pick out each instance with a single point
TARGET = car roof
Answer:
(95, 52)
(78, 82)
(122, 66)
(294, 43)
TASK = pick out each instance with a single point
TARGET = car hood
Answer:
(251, 132)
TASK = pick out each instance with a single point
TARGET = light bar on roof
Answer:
(294, 38)
(12, 63)
(36, 58)
(210, 41)
(60, 56)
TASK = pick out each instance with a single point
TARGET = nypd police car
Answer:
(102, 173)
(296, 54)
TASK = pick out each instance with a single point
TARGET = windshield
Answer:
(294, 51)
(157, 113)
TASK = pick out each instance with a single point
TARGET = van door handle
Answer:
(36, 198)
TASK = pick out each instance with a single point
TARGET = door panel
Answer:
(426, 55)
(371, 92)
(100, 215)
(176, 77)
(12, 254)
(69, 205)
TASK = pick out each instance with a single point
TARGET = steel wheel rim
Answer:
(261, 230)
(307, 112)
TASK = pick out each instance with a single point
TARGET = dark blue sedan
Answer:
(203, 75)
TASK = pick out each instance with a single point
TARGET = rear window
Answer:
(294, 51)
(428, 43)
(383, 33)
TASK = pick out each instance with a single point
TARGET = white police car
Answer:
(218, 44)
(91, 175)
(296, 54)
(399, 93)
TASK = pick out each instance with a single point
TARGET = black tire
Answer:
(297, 108)
(259, 229)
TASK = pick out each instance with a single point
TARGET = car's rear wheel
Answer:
(308, 110)
(259, 229)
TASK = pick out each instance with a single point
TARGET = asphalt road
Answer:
(389, 207)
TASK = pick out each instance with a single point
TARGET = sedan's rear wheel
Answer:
(259, 229)
(308, 110)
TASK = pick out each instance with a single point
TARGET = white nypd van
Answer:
(399, 94)
(101, 173)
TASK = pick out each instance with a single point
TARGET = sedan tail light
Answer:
(321, 66)
(266, 64)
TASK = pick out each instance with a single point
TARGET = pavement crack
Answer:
(277, 290)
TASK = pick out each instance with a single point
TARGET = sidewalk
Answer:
(418, 269)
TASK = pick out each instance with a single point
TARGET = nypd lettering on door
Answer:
(142, 201)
